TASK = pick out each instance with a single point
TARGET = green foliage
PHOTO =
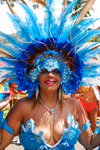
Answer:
(12, 2)
(79, 5)
(96, 39)
(36, 5)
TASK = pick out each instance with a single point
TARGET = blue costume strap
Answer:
(97, 131)
(4, 124)
(85, 126)
(98, 128)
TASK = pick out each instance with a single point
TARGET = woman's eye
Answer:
(56, 71)
(44, 71)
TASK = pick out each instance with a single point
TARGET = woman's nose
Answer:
(50, 75)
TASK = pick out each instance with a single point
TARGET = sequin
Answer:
(4, 124)
(33, 140)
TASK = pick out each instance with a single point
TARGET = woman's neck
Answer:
(49, 99)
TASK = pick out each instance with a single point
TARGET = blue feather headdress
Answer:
(57, 43)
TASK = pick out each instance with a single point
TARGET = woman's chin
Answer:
(51, 89)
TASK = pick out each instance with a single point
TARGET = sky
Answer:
(6, 25)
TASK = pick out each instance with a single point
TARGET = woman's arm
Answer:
(14, 119)
(86, 138)
(5, 101)
(6, 139)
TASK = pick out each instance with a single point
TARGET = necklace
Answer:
(52, 112)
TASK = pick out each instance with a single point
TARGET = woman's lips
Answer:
(50, 82)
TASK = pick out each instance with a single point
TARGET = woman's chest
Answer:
(45, 121)
(31, 137)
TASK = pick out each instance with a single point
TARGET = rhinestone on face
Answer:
(64, 77)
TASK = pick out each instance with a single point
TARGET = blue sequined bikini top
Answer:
(33, 140)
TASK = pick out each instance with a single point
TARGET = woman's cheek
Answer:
(41, 77)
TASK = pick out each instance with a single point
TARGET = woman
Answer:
(58, 126)
(25, 109)
(49, 59)
(90, 103)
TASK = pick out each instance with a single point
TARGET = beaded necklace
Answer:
(52, 112)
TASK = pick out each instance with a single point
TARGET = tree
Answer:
(43, 3)
(12, 2)
(79, 5)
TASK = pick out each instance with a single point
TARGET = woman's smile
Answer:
(50, 82)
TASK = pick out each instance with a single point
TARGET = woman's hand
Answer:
(4, 102)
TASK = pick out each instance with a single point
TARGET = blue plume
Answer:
(90, 53)
(8, 61)
(10, 68)
(62, 39)
(49, 18)
(13, 51)
(81, 26)
(13, 40)
(34, 26)
(86, 48)
(85, 36)
(63, 16)
(68, 27)
(20, 26)
(8, 74)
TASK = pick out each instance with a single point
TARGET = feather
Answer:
(10, 68)
(86, 47)
(90, 54)
(63, 16)
(81, 27)
(91, 73)
(85, 36)
(8, 60)
(7, 74)
(34, 27)
(13, 51)
(20, 26)
(75, 32)
(2, 51)
(49, 19)
(89, 50)
(68, 28)
(14, 41)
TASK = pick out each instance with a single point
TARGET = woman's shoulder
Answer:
(23, 105)
(24, 102)
(71, 103)
(70, 100)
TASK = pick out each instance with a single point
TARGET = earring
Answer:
(59, 93)
(36, 93)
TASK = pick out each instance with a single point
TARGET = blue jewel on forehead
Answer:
(49, 63)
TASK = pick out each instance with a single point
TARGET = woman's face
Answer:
(49, 81)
